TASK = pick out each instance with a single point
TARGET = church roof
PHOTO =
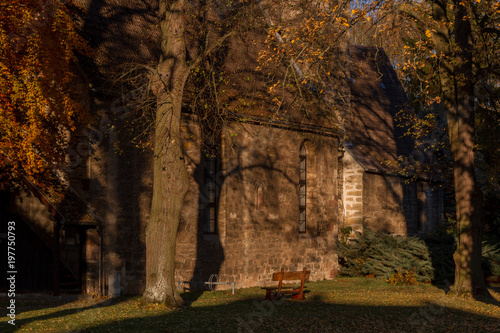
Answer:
(62, 200)
(127, 31)
(374, 136)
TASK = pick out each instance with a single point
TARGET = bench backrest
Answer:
(299, 275)
(283, 276)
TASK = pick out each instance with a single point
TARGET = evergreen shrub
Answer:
(398, 259)
(383, 255)
(491, 260)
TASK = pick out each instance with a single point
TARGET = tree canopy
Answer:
(39, 105)
(410, 34)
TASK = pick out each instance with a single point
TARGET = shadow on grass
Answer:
(491, 300)
(49, 302)
(486, 299)
(495, 288)
(258, 315)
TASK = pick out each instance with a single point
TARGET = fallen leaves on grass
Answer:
(358, 305)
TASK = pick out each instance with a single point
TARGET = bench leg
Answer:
(298, 295)
(269, 294)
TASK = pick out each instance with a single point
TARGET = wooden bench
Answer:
(297, 292)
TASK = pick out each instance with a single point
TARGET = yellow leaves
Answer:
(36, 95)
(428, 33)
(436, 100)
(277, 101)
(273, 87)
(342, 21)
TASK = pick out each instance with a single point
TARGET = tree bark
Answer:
(171, 179)
(469, 278)
(457, 89)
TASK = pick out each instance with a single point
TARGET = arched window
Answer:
(302, 188)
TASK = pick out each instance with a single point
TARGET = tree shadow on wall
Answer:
(211, 178)
(209, 250)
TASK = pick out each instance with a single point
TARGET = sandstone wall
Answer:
(115, 178)
(383, 209)
(257, 204)
(352, 192)
(258, 210)
(386, 203)
(393, 205)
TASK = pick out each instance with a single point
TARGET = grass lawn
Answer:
(341, 305)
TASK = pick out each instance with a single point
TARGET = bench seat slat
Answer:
(290, 291)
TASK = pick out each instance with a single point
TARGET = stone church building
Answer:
(267, 193)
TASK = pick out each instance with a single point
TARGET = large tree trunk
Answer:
(170, 176)
(469, 278)
(456, 76)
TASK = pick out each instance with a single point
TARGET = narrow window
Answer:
(302, 188)
(260, 198)
(211, 193)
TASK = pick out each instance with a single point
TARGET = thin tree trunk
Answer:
(170, 176)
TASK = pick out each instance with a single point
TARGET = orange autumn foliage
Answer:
(38, 108)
